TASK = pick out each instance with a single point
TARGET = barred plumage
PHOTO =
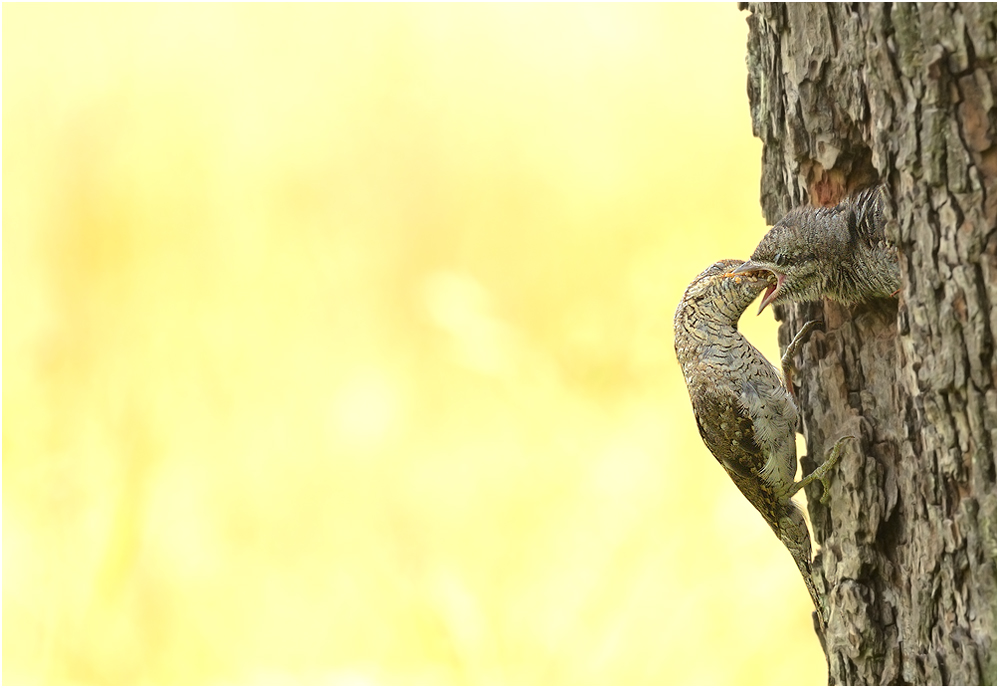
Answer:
(746, 416)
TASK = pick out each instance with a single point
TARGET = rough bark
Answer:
(842, 96)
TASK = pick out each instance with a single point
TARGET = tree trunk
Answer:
(843, 96)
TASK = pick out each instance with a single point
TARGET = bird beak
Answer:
(750, 267)
(772, 289)
(770, 292)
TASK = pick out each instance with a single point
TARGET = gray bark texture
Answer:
(844, 96)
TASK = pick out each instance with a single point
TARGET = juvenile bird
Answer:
(746, 416)
(840, 253)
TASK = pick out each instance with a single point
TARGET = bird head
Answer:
(792, 267)
(728, 293)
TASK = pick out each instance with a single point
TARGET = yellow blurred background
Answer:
(339, 348)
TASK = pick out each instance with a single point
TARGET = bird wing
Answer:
(728, 432)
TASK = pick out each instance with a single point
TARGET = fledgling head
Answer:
(838, 252)
(789, 256)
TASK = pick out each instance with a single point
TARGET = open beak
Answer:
(771, 291)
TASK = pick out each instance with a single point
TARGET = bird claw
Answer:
(788, 368)
(820, 473)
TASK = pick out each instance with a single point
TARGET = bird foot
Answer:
(787, 359)
(820, 474)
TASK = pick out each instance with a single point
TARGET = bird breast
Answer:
(774, 420)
